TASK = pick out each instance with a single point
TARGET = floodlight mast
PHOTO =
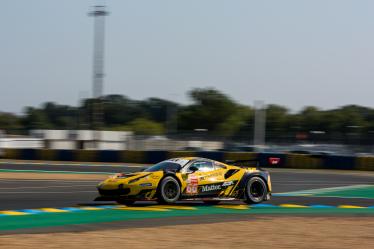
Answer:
(99, 14)
(259, 124)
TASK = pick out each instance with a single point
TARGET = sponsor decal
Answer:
(207, 188)
(206, 177)
(192, 183)
(226, 184)
(274, 160)
(214, 174)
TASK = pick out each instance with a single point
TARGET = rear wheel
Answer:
(169, 190)
(255, 191)
(125, 202)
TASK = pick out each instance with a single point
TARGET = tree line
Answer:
(211, 114)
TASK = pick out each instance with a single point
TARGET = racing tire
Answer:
(169, 190)
(211, 202)
(125, 202)
(255, 190)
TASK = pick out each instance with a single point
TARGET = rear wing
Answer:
(272, 161)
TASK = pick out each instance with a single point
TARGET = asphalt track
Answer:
(33, 193)
(353, 189)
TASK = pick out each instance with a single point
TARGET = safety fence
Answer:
(281, 160)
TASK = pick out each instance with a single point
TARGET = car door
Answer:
(205, 181)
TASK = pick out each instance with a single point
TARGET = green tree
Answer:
(121, 110)
(142, 126)
(209, 110)
(10, 122)
(311, 119)
(236, 121)
(60, 116)
(36, 119)
(276, 120)
(159, 110)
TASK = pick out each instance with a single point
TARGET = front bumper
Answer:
(125, 194)
(114, 195)
(106, 198)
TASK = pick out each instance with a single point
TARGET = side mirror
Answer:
(192, 169)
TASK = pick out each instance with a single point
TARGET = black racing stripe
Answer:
(138, 178)
(233, 186)
(241, 185)
(231, 172)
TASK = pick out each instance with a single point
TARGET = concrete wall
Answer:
(83, 139)
(21, 143)
(103, 140)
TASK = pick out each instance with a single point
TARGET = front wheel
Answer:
(169, 190)
(255, 190)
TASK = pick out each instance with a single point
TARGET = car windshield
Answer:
(173, 165)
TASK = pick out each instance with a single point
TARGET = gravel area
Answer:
(263, 232)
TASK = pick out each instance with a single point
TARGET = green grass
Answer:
(108, 215)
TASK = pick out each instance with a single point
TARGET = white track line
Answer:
(325, 190)
(45, 180)
(48, 186)
(51, 164)
(51, 192)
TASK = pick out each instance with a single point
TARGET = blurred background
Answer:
(280, 76)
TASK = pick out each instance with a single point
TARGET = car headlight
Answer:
(148, 184)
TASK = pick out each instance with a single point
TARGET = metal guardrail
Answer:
(284, 160)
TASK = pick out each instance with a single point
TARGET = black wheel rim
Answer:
(170, 190)
(256, 189)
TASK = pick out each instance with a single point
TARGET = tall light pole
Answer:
(260, 123)
(99, 14)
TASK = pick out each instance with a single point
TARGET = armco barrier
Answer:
(364, 163)
(29, 154)
(214, 155)
(109, 156)
(11, 154)
(85, 155)
(65, 155)
(133, 156)
(339, 162)
(265, 159)
(174, 154)
(298, 161)
(46, 154)
(240, 156)
(155, 156)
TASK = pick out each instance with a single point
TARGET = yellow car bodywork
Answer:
(224, 181)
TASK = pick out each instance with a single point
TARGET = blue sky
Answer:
(293, 53)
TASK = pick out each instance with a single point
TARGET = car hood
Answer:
(129, 176)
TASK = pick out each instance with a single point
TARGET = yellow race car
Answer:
(188, 178)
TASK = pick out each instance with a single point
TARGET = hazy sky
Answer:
(293, 53)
